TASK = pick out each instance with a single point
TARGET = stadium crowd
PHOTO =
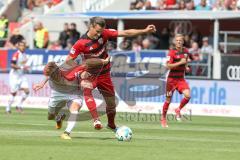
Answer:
(200, 5)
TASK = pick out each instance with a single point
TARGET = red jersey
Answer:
(89, 48)
(175, 56)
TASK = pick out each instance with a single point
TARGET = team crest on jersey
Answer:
(100, 41)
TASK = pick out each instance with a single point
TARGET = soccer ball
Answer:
(124, 133)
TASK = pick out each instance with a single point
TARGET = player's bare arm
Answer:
(173, 65)
(135, 32)
(40, 85)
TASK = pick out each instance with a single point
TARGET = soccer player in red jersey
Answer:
(93, 45)
(177, 64)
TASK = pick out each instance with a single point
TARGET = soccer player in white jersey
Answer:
(17, 79)
(63, 94)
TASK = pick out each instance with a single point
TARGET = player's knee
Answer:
(168, 99)
(187, 95)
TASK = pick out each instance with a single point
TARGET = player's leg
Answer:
(56, 102)
(24, 96)
(25, 88)
(90, 102)
(169, 92)
(105, 86)
(74, 107)
(14, 87)
(10, 102)
(183, 88)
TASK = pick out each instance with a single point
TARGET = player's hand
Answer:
(85, 75)
(187, 69)
(38, 86)
(86, 84)
(183, 61)
(150, 29)
(107, 60)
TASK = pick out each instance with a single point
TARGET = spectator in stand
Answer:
(206, 55)
(136, 46)
(55, 45)
(182, 5)
(146, 44)
(206, 50)
(154, 3)
(164, 39)
(69, 45)
(64, 35)
(41, 37)
(187, 41)
(234, 6)
(74, 34)
(218, 6)
(203, 6)
(137, 5)
(3, 30)
(196, 36)
(148, 6)
(162, 5)
(194, 52)
(14, 39)
(190, 5)
(171, 4)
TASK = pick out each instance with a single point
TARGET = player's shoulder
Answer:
(171, 51)
(185, 50)
(15, 55)
(109, 31)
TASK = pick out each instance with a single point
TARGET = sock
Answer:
(23, 98)
(183, 103)
(111, 112)
(90, 102)
(165, 109)
(71, 121)
(10, 102)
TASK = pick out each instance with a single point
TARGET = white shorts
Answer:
(59, 100)
(17, 83)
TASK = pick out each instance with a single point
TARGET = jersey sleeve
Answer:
(170, 57)
(76, 49)
(14, 58)
(111, 33)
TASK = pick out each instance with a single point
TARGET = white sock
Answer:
(71, 121)
(23, 98)
(10, 102)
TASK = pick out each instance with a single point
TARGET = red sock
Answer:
(165, 109)
(183, 103)
(90, 102)
(111, 112)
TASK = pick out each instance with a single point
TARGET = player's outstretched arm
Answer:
(173, 65)
(135, 32)
(40, 85)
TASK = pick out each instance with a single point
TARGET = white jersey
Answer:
(17, 79)
(20, 60)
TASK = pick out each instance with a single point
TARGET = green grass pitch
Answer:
(31, 137)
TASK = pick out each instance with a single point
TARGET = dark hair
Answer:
(97, 21)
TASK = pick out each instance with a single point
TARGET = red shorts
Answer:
(176, 84)
(104, 84)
